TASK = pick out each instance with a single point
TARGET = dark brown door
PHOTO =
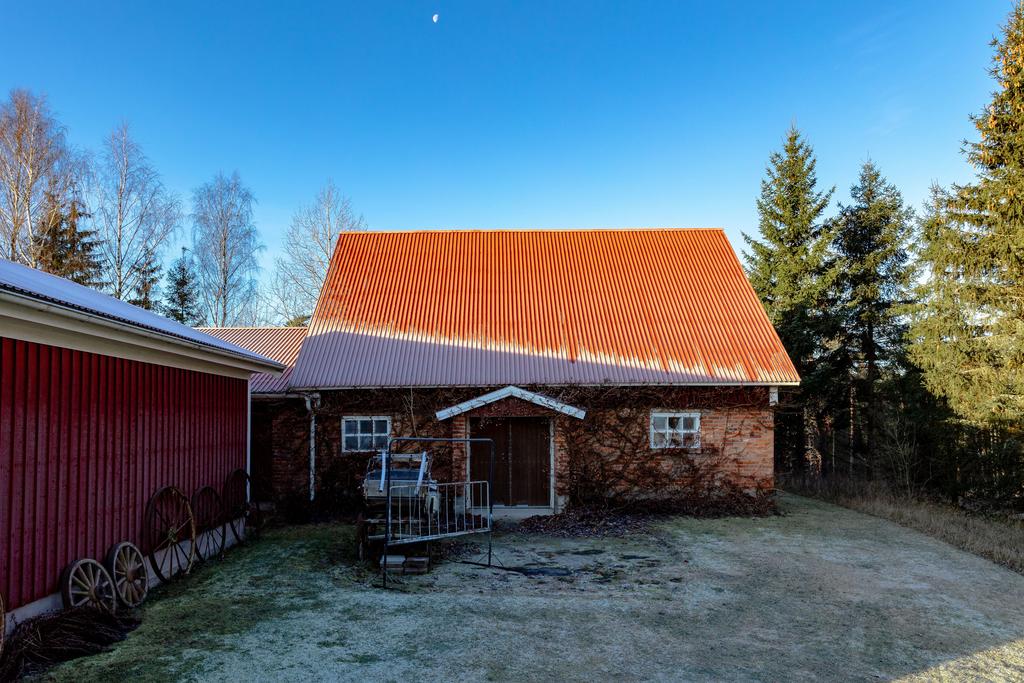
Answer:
(261, 451)
(522, 462)
(479, 463)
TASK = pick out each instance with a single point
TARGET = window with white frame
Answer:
(675, 430)
(365, 432)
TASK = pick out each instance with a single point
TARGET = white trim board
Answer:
(512, 392)
(32, 321)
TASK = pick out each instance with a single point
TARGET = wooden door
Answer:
(522, 462)
(479, 464)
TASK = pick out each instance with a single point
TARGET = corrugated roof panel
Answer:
(520, 307)
(35, 284)
(277, 343)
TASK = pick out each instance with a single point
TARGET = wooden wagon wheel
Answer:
(210, 531)
(172, 533)
(127, 568)
(85, 583)
(240, 510)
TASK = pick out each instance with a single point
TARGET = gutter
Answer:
(312, 405)
(260, 363)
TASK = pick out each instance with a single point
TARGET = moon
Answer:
(434, 18)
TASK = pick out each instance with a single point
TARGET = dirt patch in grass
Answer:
(998, 538)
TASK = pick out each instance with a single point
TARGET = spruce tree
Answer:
(63, 246)
(871, 243)
(791, 270)
(181, 301)
(145, 290)
(968, 334)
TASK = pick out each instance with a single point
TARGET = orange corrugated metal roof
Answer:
(277, 343)
(485, 308)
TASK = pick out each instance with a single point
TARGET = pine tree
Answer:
(62, 245)
(969, 329)
(791, 270)
(871, 242)
(181, 301)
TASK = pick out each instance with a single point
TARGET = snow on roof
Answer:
(35, 284)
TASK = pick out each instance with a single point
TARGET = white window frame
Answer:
(358, 418)
(663, 441)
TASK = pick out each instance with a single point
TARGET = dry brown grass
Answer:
(994, 537)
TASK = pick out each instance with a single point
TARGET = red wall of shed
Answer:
(86, 439)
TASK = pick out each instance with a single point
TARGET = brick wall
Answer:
(736, 437)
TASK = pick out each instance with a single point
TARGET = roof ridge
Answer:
(407, 231)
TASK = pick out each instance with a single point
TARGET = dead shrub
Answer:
(996, 537)
(36, 644)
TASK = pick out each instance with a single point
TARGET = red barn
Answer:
(101, 404)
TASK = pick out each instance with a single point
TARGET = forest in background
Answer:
(907, 328)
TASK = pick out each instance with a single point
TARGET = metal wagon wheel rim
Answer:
(241, 512)
(85, 583)
(209, 514)
(172, 533)
(127, 568)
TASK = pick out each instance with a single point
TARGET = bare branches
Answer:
(35, 163)
(225, 245)
(309, 245)
(135, 214)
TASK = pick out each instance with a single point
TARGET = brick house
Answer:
(601, 362)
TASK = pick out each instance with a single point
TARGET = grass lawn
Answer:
(820, 592)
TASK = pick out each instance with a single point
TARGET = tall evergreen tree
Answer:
(181, 301)
(791, 270)
(969, 330)
(147, 282)
(871, 242)
(62, 245)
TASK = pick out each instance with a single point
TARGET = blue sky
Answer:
(568, 114)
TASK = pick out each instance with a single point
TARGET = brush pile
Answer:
(635, 517)
(39, 643)
(586, 521)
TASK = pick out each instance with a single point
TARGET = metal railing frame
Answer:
(468, 441)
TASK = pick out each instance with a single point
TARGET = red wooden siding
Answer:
(85, 439)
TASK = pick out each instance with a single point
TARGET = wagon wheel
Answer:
(240, 510)
(85, 583)
(210, 531)
(172, 533)
(127, 568)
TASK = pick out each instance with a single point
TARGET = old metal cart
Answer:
(406, 506)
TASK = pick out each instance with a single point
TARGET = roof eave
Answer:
(354, 387)
(45, 314)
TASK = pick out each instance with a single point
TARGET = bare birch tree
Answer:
(134, 214)
(309, 244)
(36, 165)
(225, 244)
